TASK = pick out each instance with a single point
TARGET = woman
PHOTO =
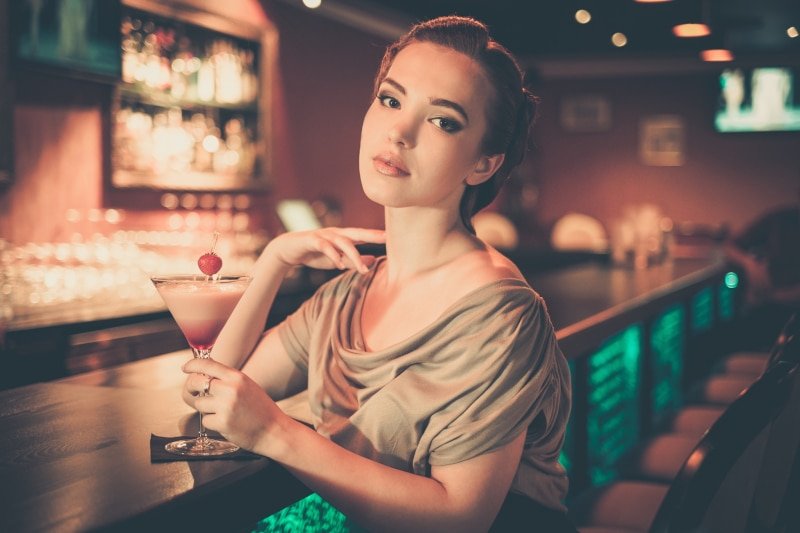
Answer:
(434, 378)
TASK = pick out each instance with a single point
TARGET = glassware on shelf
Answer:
(186, 65)
(164, 141)
(187, 114)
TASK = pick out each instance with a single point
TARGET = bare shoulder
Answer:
(503, 267)
(486, 266)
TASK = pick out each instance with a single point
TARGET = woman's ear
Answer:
(485, 168)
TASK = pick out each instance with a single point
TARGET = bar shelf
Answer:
(190, 111)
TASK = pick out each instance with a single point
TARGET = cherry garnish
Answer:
(210, 263)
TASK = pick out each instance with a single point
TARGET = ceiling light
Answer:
(692, 29)
(312, 4)
(716, 55)
(696, 26)
(792, 32)
(583, 16)
(619, 39)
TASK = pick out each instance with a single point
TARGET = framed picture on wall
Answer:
(76, 38)
(585, 113)
(662, 141)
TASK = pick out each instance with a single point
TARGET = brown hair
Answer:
(510, 113)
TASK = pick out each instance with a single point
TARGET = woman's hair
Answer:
(510, 112)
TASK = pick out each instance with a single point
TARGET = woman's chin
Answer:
(380, 195)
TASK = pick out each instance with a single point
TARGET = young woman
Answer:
(438, 392)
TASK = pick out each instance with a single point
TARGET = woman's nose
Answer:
(402, 132)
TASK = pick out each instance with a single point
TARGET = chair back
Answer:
(714, 489)
(773, 508)
(788, 334)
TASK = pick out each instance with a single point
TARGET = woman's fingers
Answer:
(326, 247)
(209, 367)
(205, 405)
(203, 385)
(338, 244)
(329, 250)
(196, 383)
(363, 235)
(351, 253)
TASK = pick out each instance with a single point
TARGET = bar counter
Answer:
(587, 303)
(74, 452)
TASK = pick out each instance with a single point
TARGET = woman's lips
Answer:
(389, 166)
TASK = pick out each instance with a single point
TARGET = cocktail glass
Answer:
(201, 306)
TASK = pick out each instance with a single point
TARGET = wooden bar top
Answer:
(588, 302)
(76, 458)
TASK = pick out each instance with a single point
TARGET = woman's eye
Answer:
(446, 124)
(389, 101)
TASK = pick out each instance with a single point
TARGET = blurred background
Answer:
(123, 147)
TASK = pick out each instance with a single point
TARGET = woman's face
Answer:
(421, 137)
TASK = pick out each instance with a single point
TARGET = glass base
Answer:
(201, 447)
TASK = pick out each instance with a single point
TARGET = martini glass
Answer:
(201, 306)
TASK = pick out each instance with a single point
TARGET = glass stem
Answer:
(202, 353)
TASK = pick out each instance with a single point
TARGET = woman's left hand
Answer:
(234, 405)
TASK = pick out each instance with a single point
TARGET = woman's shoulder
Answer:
(485, 279)
(487, 266)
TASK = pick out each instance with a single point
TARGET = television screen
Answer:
(758, 99)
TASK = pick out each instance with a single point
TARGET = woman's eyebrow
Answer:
(397, 86)
(441, 102)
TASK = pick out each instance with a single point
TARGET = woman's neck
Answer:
(419, 240)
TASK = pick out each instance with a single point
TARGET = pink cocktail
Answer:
(201, 305)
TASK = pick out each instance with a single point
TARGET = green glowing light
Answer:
(309, 515)
(702, 310)
(667, 347)
(726, 302)
(613, 402)
(568, 450)
(731, 280)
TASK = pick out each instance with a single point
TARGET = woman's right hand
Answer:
(325, 248)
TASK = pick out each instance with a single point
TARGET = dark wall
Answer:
(725, 178)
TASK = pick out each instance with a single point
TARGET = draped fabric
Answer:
(486, 370)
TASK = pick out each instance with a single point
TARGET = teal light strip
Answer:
(312, 514)
(703, 310)
(667, 352)
(613, 402)
(568, 449)
(727, 299)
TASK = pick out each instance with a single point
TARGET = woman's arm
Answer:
(460, 497)
(464, 496)
(246, 324)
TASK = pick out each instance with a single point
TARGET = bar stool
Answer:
(715, 486)
(661, 457)
(734, 375)
(731, 376)
(738, 370)
(751, 363)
